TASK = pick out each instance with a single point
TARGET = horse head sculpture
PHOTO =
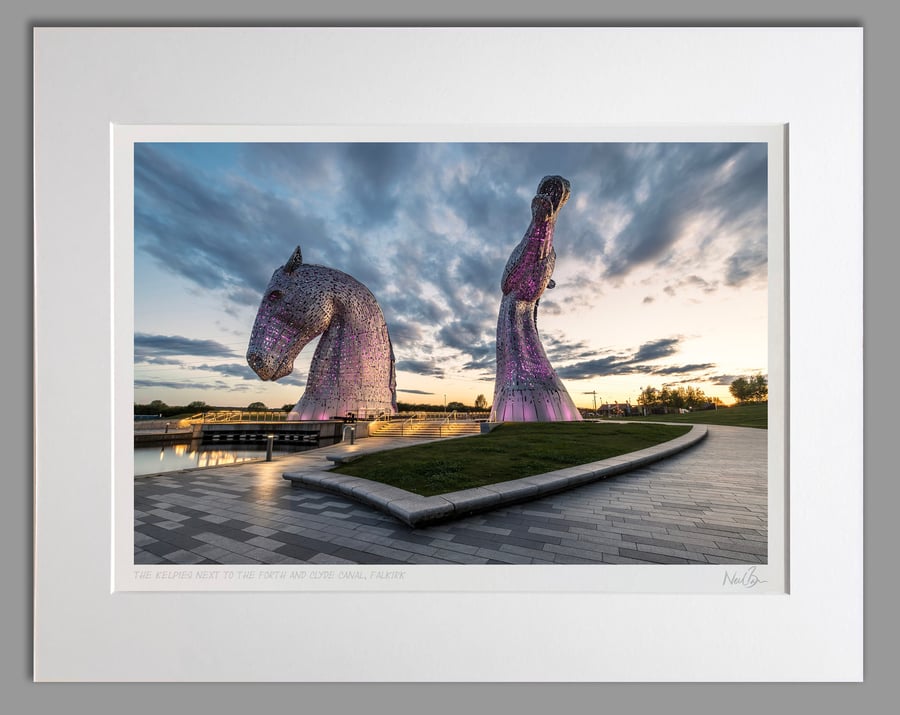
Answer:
(527, 388)
(352, 369)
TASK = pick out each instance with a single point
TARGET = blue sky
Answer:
(661, 260)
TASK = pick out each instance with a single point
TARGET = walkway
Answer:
(705, 505)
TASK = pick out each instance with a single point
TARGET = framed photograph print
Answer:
(427, 248)
(264, 262)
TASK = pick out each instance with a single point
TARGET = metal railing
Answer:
(446, 422)
(237, 416)
(382, 416)
(416, 417)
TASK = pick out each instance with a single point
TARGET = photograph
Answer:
(452, 353)
(514, 366)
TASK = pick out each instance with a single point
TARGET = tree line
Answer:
(158, 407)
(745, 389)
(481, 405)
(750, 389)
(671, 399)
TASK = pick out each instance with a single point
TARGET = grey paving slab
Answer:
(142, 539)
(184, 557)
(265, 543)
(457, 558)
(455, 546)
(146, 557)
(707, 502)
(328, 559)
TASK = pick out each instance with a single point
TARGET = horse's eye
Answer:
(274, 296)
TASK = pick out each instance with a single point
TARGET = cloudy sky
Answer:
(660, 275)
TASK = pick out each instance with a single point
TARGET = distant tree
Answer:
(197, 405)
(665, 398)
(287, 408)
(158, 407)
(673, 398)
(257, 406)
(458, 406)
(694, 398)
(752, 389)
(759, 388)
(740, 389)
(419, 407)
(481, 402)
(145, 409)
(648, 397)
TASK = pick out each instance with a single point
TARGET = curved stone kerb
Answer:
(415, 510)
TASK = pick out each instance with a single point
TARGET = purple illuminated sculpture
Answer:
(352, 369)
(527, 388)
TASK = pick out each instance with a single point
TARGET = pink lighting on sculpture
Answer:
(527, 388)
(352, 369)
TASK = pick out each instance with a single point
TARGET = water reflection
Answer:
(170, 458)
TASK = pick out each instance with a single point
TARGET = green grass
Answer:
(735, 416)
(511, 451)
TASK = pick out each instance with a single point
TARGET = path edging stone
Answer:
(415, 510)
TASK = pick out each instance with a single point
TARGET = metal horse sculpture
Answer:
(352, 370)
(527, 388)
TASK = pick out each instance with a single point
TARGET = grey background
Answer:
(880, 22)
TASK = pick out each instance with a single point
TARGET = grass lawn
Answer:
(511, 451)
(736, 416)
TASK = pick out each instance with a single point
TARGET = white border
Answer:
(87, 79)
(768, 578)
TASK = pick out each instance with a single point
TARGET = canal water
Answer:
(173, 457)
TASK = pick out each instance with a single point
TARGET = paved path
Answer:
(705, 505)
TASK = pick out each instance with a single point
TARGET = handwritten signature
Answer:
(748, 579)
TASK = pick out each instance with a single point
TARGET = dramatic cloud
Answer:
(688, 197)
(748, 261)
(151, 360)
(150, 346)
(681, 369)
(242, 371)
(656, 350)
(638, 363)
(428, 228)
(467, 336)
(548, 307)
(601, 367)
(404, 334)
(182, 384)
(293, 380)
(421, 367)
(216, 231)
(722, 379)
(560, 349)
